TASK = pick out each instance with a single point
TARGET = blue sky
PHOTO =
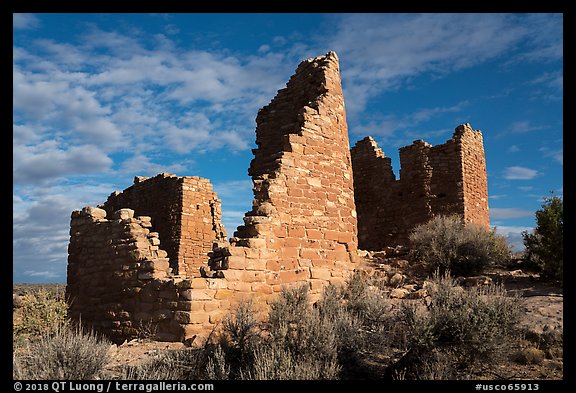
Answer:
(101, 98)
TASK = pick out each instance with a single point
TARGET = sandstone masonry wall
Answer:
(119, 282)
(445, 179)
(116, 275)
(302, 227)
(184, 210)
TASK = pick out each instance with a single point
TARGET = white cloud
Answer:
(428, 113)
(235, 140)
(185, 139)
(24, 21)
(141, 165)
(514, 235)
(134, 91)
(520, 173)
(395, 47)
(545, 39)
(40, 234)
(233, 188)
(513, 149)
(232, 219)
(504, 213)
(47, 160)
(525, 188)
(555, 154)
(523, 126)
(397, 130)
(43, 274)
(553, 80)
(67, 56)
(549, 86)
(171, 29)
(24, 134)
(52, 101)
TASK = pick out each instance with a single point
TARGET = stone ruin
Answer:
(154, 259)
(445, 179)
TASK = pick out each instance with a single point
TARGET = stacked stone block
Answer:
(445, 179)
(118, 274)
(119, 282)
(474, 176)
(184, 210)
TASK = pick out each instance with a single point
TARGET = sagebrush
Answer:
(66, 353)
(460, 328)
(446, 243)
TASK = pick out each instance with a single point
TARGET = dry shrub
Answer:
(274, 362)
(66, 353)
(238, 340)
(446, 243)
(468, 327)
(358, 313)
(529, 355)
(305, 342)
(459, 330)
(170, 365)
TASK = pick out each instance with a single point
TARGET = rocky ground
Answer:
(538, 356)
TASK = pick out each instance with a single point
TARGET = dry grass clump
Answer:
(66, 353)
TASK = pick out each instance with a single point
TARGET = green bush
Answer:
(468, 327)
(42, 312)
(545, 246)
(66, 353)
(446, 243)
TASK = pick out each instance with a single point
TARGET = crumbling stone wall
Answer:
(445, 179)
(117, 275)
(184, 210)
(302, 227)
(120, 283)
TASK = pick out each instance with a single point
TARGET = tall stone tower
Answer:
(302, 226)
(474, 177)
(302, 171)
